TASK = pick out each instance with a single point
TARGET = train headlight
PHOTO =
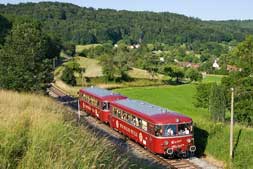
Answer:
(166, 142)
(172, 142)
(188, 140)
(169, 151)
(192, 148)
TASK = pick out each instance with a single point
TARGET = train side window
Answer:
(151, 128)
(105, 106)
(138, 122)
(158, 130)
(133, 121)
(144, 125)
(123, 115)
(114, 110)
(119, 113)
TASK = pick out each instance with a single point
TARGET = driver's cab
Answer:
(171, 130)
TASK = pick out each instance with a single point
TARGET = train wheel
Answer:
(126, 138)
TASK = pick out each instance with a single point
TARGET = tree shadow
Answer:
(237, 141)
(200, 137)
(173, 82)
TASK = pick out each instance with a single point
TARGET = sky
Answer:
(203, 9)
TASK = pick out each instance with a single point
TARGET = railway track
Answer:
(132, 146)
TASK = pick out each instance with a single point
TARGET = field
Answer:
(94, 76)
(211, 139)
(37, 132)
(80, 48)
(212, 78)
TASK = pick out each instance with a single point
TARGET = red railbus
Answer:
(96, 101)
(160, 130)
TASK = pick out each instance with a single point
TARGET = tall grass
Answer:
(34, 133)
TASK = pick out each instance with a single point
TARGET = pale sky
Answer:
(206, 10)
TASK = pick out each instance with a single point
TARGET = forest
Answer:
(82, 25)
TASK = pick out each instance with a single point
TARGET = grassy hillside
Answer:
(211, 138)
(36, 132)
(80, 48)
(94, 76)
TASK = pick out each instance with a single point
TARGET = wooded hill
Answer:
(83, 25)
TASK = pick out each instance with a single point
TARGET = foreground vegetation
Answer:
(211, 138)
(36, 132)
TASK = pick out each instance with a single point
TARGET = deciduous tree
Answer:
(26, 60)
(217, 103)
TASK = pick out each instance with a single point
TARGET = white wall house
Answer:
(216, 65)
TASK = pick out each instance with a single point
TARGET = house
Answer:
(233, 68)
(188, 64)
(216, 65)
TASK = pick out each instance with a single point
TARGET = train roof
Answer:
(153, 113)
(101, 93)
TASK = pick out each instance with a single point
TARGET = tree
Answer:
(244, 54)
(115, 66)
(217, 103)
(5, 26)
(243, 96)
(193, 75)
(202, 95)
(68, 76)
(151, 64)
(69, 49)
(174, 72)
(25, 60)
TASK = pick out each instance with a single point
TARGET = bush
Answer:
(68, 76)
(193, 75)
(69, 49)
(202, 95)
(217, 103)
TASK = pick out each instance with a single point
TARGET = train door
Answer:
(151, 132)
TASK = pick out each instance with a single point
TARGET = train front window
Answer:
(170, 130)
(184, 129)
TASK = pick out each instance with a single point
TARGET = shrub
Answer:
(68, 76)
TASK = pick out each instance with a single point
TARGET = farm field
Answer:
(211, 139)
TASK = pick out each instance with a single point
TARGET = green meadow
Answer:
(212, 139)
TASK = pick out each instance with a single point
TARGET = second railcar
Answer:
(96, 101)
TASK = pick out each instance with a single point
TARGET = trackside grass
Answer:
(211, 138)
(37, 132)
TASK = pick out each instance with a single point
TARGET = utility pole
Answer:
(231, 124)
(82, 77)
(78, 111)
